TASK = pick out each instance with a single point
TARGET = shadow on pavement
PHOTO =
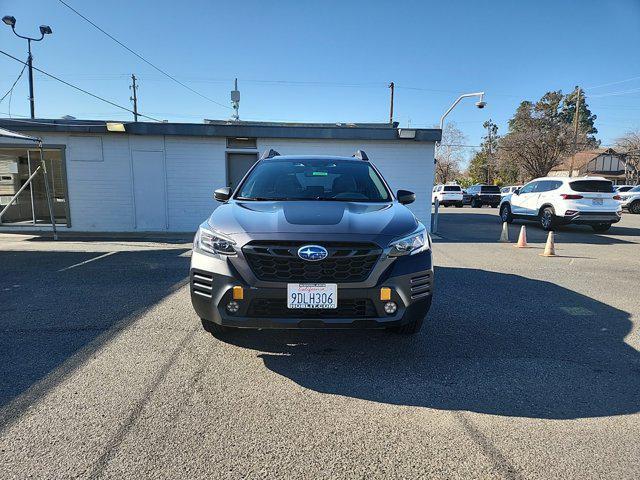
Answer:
(486, 228)
(52, 321)
(493, 343)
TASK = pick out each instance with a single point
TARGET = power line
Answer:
(613, 83)
(14, 83)
(78, 88)
(613, 94)
(141, 57)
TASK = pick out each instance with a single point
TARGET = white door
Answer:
(521, 203)
(149, 190)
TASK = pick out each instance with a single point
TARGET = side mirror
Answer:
(517, 191)
(405, 197)
(222, 194)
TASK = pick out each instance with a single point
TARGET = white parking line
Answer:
(86, 261)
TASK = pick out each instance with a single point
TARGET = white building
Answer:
(159, 177)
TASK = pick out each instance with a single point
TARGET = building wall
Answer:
(100, 179)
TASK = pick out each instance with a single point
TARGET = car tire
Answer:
(475, 204)
(635, 207)
(410, 328)
(601, 227)
(214, 328)
(547, 218)
(505, 213)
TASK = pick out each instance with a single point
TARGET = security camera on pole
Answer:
(44, 30)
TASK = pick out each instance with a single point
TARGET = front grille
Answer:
(279, 262)
(277, 308)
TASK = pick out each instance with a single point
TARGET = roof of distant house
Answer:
(580, 159)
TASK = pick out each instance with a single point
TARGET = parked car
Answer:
(447, 195)
(508, 190)
(553, 201)
(623, 188)
(312, 242)
(631, 199)
(479, 195)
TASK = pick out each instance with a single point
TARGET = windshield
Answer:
(300, 179)
(635, 189)
(595, 186)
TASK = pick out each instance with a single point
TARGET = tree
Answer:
(587, 119)
(449, 154)
(629, 145)
(539, 137)
(483, 165)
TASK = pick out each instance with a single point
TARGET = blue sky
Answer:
(331, 60)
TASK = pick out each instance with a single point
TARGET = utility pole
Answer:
(134, 89)
(575, 132)
(489, 125)
(391, 87)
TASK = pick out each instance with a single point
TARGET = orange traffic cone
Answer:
(522, 238)
(550, 247)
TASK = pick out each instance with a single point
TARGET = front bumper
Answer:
(410, 279)
(591, 218)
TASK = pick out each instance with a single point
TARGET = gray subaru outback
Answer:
(312, 242)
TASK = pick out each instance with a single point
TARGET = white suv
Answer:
(631, 199)
(447, 195)
(560, 200)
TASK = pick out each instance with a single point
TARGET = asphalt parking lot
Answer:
(528, 367)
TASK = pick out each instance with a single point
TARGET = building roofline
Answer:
(219, 128)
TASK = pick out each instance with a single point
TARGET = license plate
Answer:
(312, 295)
(597, 201)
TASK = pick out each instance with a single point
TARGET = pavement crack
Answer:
(499, 461)
(114, 444)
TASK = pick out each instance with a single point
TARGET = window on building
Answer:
(30, 207)
(242, 142)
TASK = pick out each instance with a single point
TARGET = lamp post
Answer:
(44, 30)
(480, 104)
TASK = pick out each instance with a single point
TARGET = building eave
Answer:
(227, 129)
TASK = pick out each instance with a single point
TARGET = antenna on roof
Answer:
(361, 155)
(235, 102)
(269, 154)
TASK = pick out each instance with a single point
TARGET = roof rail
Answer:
(269, 154)
(361, 155)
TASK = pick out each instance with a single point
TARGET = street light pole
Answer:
(32, 100)
(480, 104)
(44, 30)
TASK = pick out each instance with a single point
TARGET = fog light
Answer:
(233, 307)
(390, 308)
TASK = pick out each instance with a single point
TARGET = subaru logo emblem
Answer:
(312, 253)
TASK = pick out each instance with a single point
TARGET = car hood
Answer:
(301, 217)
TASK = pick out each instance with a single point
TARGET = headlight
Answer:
(212, 242)
(411, 244)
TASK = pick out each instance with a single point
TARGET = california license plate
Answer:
(597, 201)
(312, 295)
